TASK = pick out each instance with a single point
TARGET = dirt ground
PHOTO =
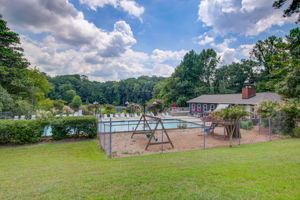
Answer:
(183, 140)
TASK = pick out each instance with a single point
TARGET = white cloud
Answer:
(162, 56)
(205, 40)
(226, 53)
(245, 49)
(249, 17)
(229, 54)
(129, 6)
(88, 62)
(74, 45)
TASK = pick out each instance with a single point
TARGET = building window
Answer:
(204, 107)
(212, 107)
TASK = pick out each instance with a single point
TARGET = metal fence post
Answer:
(270, 128)
(99, 131)
(110, 138)
(204, 140)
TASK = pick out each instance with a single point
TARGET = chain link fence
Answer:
(187, 133)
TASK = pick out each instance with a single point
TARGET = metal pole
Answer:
(99, 131)
(204, 139)
(259, 124)
(162, 140)
(270, 130)
(110, 138)
(239, 130)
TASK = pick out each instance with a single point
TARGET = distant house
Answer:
(248, 98)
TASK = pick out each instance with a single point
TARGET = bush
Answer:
(246, 124)
(65, 127)
(109, 109)
(296, 132)
(230, 113)
(20, 131)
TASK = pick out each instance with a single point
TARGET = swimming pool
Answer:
(123, 126)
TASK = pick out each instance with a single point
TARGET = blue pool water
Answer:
(122, 126)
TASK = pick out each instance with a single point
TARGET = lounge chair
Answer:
(33, 117)
(111, 116)
(135, 115)
(127, 115)
(22, 117)
(122, 115)
(16, 117)
(116, 116)
(105, 116)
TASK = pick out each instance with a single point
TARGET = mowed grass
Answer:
(80, 170)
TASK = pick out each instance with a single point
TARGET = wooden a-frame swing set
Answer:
(151, 132)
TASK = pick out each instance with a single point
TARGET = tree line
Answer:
(138, 90)
(273, 65)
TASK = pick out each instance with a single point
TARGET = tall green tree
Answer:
(194, 76)
(293, 8)
(76, 102)
(233, 77)
(23, 84)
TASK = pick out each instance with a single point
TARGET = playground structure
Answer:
(151, 133)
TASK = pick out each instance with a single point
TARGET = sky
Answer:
(118, 39)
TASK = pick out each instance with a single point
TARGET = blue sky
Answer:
(117, 39)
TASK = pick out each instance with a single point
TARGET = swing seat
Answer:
(206, 129)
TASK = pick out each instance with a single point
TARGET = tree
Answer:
(76, 102)
(230, 117)
(133, 108)
(290, 86)
(21, 83)
(46, 104)
(293, 8)
(194, 76)
(6, 101)
(156, 106)
(233, 77)
(69, 96)
(276, 58)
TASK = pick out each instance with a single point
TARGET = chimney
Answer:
(248, 92)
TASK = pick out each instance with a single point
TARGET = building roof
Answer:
(235, 98)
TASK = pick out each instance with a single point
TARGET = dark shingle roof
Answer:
(235, 98)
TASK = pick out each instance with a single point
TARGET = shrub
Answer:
(20, 131)
(156, 106)
(246, 124)
(76, 103)
(133, 108)
(296, 132)
(65, 127)
(109, 109)
(230, 114)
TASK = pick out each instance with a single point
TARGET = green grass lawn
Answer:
(79, 170)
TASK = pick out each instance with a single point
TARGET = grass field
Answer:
(79, 170)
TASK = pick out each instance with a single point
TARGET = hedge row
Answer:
(30, 131)
(65, 127)
(20, 131)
